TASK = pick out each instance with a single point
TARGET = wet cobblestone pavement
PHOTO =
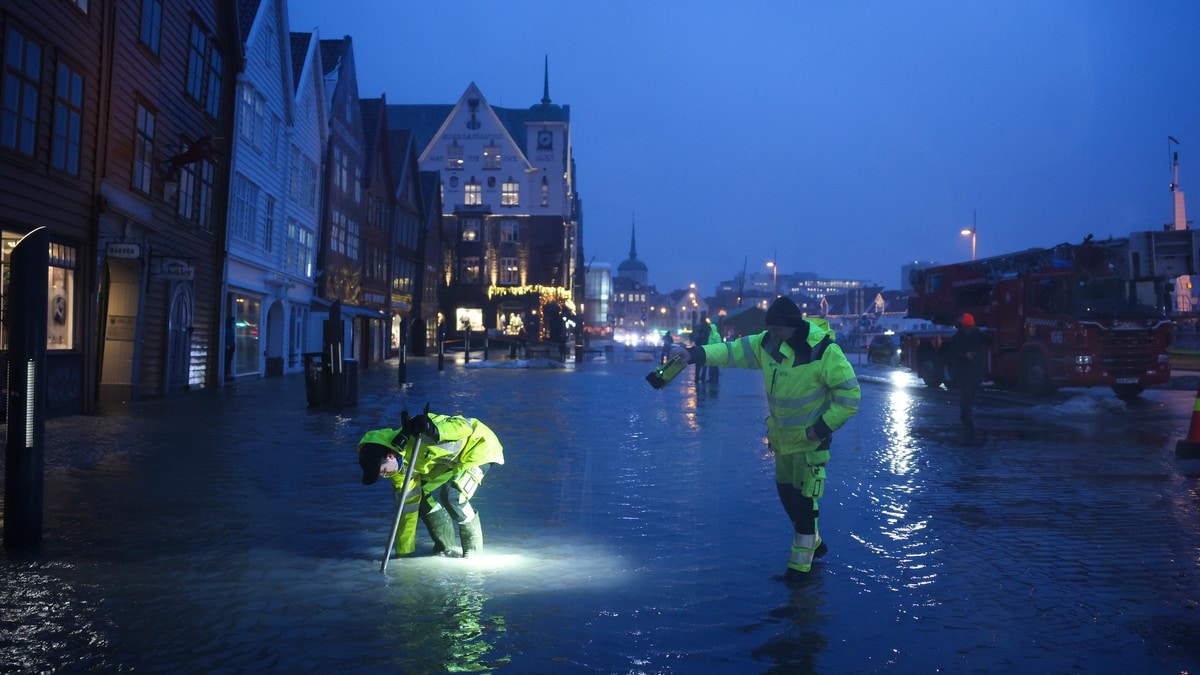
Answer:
(629, 531)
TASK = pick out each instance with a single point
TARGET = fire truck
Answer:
(1074, 315)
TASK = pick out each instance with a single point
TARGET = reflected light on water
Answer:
(898, 424)
(904, 540)
(553, 568)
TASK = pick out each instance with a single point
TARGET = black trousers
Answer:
(801, 510)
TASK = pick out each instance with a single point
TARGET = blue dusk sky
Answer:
(849, 137)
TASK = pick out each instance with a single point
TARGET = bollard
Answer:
(441, 350)
(402, 369)
(467, 346)
(1189, 448)
(24, 473)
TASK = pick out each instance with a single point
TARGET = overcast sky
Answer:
(851, 137)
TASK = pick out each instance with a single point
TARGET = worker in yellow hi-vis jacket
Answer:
(454, 454)
(812, 391)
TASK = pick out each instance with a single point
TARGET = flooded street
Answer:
(629, 531)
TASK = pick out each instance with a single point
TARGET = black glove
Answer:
(421, 424)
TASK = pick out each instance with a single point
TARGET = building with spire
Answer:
(632, 268)
(634, 304)
(512, 222)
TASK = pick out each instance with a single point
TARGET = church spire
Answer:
(546, 83)
(633, 240)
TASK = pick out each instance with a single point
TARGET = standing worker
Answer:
(455, 454)
(811, 392)
(968, 356)
(714, 336)
(699, 339)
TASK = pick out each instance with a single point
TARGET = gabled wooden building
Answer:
(378, 229)
(51, 131)
(344, 254)
(408, 241)
(163, 176)
(267, 288)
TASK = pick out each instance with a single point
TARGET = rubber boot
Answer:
(472, 536)
(822, 549)
(803, 547)
(441, 530)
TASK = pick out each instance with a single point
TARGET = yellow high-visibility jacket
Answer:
(463, 443)
(821, 393)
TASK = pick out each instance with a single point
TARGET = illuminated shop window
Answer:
(60, 296)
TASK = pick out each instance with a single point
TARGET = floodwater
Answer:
(629, 531)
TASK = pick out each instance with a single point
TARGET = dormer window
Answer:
(454, 156)
(491, 156)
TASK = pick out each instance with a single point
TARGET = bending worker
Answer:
(455, 454)
(811, 392)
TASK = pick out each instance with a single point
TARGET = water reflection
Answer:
(799, 630)
(437, 619)
(48, 623)
(903, 546)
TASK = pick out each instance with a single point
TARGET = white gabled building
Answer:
(301, 234)
(274, 195)
(511, 216)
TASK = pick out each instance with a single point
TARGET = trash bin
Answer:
(316, 379)
(350, 373)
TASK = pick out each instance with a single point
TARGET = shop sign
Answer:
(118, 250)
(176, 270)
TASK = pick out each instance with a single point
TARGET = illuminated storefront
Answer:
(63, 361)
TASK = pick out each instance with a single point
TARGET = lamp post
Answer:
(971, 231)
(774, 274)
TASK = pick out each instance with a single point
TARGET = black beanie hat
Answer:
(370, 456)
(784, 312)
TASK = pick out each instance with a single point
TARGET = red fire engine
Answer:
(1076, 315)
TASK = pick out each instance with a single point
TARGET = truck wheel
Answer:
(1035, 377)
(1128, 392)
(929, 368)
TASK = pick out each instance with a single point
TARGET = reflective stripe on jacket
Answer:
(823, 394)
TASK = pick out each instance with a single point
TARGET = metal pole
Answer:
(335, 334)
(387, 553)
(24, 452)
(441, 348)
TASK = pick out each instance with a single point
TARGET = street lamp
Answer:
(774, 274)
(971, 231)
